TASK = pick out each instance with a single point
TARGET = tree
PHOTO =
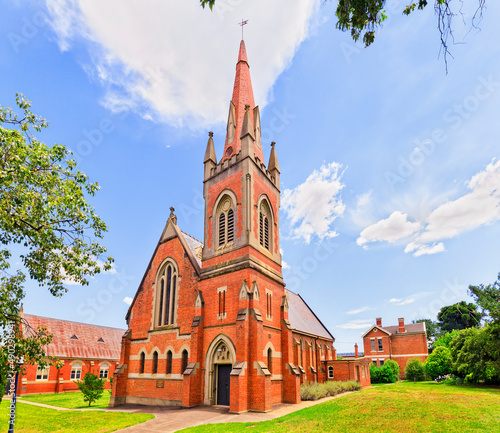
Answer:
(91, 387)
(461, 315)
(363, 18)
(414, 370)
(394, 366)
(45, 215)
(488, 298)
(439, 362)
(431, 329)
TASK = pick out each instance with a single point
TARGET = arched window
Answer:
(104, 371)
(169, 362)
(225, 221)
(165, 296)
(76, 371)
(184, 360)
(155, 362)
(330, 372)
(143, 361)
(265, 225)
(270, 360)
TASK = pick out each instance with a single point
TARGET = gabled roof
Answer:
(390, 330)
(79, 340)
(302, 318)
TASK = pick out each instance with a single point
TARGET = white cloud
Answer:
(355, 324)
(312, 206)
(127, 300)
(397, 301)
(285, 265)
(174, 61)
(392, 229)
(360, 310)
(479, 207)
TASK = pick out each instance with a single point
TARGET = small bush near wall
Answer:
(384, 374)
(315, 391)
(415, 370)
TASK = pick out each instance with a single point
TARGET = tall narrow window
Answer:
(155, 362)
(270, 360)
(380, 347)
(143, 361)
(222, 302)
(269, 309)
(184, 360)
(166, 293)
(225, 221)
(169, 362)
(265, 226)
(372, 343)
(330, 372)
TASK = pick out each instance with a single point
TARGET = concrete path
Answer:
(171, 419)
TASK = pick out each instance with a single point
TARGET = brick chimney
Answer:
(401, 321)
(379, 321)
(356, 353)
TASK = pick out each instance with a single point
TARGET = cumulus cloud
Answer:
(479, 207)
(128, 300)
(355, 324)
(314, 205)
(360, 310)
(392, 229)
(173, 61)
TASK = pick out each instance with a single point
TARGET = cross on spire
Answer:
(243, 22)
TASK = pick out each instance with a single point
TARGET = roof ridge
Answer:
(72, 321)
(191, 236)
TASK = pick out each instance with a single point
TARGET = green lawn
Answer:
(70, 400)
(33, 419)
(403, 408)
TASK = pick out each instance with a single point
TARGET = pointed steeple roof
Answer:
(273, 159)
(242, 96)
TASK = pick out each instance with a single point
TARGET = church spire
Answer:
(242, 96)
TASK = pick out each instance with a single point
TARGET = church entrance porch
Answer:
(223, 384)
(219, 363)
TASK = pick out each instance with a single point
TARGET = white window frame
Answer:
(104, 368)
(43, 373)
(76, 368)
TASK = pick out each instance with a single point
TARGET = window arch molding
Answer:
(265, 223)
(166, 293)
(224, 218)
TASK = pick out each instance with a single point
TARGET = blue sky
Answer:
(390, 182)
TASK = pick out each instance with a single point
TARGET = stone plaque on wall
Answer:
(160, 384)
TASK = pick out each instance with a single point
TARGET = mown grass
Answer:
(34, 419)
(403, 407)
(70, 400)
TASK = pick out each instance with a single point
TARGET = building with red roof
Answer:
(79, 348)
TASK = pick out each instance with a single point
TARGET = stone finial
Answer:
(211, 134)
(172, 216)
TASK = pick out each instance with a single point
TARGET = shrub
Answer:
(439, 362)
(415, 370)
(384, 374)
(315, 391)
(91, 387)
(394, 367)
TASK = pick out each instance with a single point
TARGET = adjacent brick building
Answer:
(79, 348)
(212, 323)
(399, 343)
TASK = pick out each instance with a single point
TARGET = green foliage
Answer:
(439, 362)
(209, 3)
(44, 213)
(384, 374)
(476, 354)
(414, 370)
(461, 315)
(394, 366)
(91, 387)
(315, 391)
(431, 329)
(445, 339)
(488, 298)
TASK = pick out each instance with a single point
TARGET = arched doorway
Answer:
(219, 362)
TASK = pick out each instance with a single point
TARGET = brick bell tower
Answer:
(242, 310)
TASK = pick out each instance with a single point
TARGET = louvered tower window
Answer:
(265, 226)
(165, 297)
(226, 221)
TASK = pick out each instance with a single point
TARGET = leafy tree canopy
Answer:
(91, 387)
(461, 315)
(44, 213)
(488, 298)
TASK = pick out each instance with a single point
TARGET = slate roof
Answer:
(302, 318)
(410, 327)
(85, 345)
(193, 245)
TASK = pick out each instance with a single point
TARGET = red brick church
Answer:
(212, 323)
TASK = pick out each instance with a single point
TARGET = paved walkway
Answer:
(171, 419)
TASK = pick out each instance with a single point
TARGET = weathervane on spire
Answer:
(243, 22)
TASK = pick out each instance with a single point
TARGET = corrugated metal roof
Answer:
(85, 345)
(302, 318)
